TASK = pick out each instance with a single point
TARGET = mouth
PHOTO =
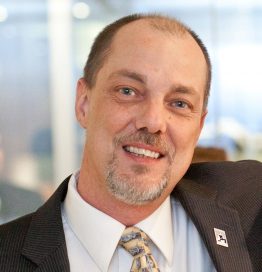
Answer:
(142, 152)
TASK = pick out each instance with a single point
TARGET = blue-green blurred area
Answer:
(44, 46)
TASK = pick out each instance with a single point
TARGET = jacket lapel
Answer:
(207, 215)
(45, 242)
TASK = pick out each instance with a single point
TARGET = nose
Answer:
(151, 116)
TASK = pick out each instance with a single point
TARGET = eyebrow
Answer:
(175, 88)
(130, 74)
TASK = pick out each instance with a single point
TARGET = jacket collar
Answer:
(200, 202)
(45, 241)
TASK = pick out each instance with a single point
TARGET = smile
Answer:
(141, 152)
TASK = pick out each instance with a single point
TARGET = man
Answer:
(143, 103)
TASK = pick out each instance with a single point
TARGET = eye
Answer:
(180, 104)
(127, 91)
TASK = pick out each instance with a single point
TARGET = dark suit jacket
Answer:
(224, 195)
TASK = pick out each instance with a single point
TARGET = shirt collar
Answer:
(158, 227)
(104, 232)
(95, 229)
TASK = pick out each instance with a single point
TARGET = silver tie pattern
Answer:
(135, 241)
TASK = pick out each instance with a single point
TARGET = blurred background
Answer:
(43, 47)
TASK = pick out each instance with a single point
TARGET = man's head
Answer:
(142, 101)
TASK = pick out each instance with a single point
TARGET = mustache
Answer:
(145, 137)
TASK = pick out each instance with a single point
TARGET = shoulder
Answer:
(235, 187)
(227, 174)
(12, 237)
(237, 184)
(14, 231)
(28, 240)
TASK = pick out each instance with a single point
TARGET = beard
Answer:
(136, 189)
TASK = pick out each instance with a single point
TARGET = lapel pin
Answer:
(221, 237)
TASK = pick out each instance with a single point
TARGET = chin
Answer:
(136, 190)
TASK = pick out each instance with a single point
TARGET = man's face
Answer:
(144, 114)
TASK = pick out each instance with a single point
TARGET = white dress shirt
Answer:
(92, 238)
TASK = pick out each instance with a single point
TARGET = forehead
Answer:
(141, 34)
(150, 51)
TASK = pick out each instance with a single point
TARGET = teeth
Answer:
(142, 152)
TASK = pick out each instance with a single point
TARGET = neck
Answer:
(97, 196)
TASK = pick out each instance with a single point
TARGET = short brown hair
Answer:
(102, 44)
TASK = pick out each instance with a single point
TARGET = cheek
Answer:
(117, 120)
(105, 123)
(185, 136)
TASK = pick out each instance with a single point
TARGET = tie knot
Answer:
(135, 241)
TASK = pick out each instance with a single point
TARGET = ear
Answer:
(82, 101)
(201, 123)
(203, 118)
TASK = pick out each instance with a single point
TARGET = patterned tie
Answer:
(135, 241)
